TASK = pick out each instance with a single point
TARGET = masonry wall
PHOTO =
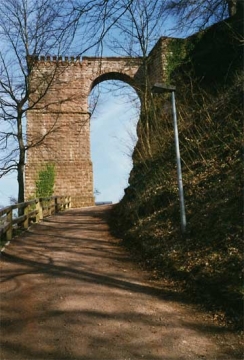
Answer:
(157, 61)
(59, 123)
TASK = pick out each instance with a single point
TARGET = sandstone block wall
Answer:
(157, 61)
(58, 124)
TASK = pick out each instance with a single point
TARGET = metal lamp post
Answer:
(160, 88)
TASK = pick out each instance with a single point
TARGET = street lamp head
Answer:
(160, 88)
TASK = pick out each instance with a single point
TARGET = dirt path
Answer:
(69, 291)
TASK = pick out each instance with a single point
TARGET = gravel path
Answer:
(70, 291)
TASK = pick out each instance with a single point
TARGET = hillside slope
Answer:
(206, 260)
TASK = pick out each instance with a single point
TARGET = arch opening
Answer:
(115, 109)
(115, 76)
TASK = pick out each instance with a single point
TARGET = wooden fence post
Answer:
(41, 209)
(38, 210)
(9, 233)
(68, 202)
(56, 205)
(26, 213)
(49, 206)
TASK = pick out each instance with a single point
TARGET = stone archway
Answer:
(58, 124)
(61, 122)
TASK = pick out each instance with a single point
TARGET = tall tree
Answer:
(29, 29)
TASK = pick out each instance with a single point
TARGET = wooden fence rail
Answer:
(29, 212)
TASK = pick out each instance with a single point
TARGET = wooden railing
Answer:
(31, 212)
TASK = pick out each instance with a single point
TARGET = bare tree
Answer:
(139, 28)
(101, 18)
(135, 34)
(27, 29)
(193, 15)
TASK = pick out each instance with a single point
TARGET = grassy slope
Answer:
(207, 260)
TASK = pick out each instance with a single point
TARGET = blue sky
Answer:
(113, 136)
(8, 187)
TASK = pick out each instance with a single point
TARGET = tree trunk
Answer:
(21, 193)
(21, 162)
(235, 7)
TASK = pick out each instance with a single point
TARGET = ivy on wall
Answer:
(45, 181)
(179, 53)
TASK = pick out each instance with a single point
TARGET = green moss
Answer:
(178, 51)
(45, 181)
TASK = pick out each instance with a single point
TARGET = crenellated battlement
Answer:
(54, 58)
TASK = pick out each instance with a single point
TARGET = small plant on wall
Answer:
(45, 181)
